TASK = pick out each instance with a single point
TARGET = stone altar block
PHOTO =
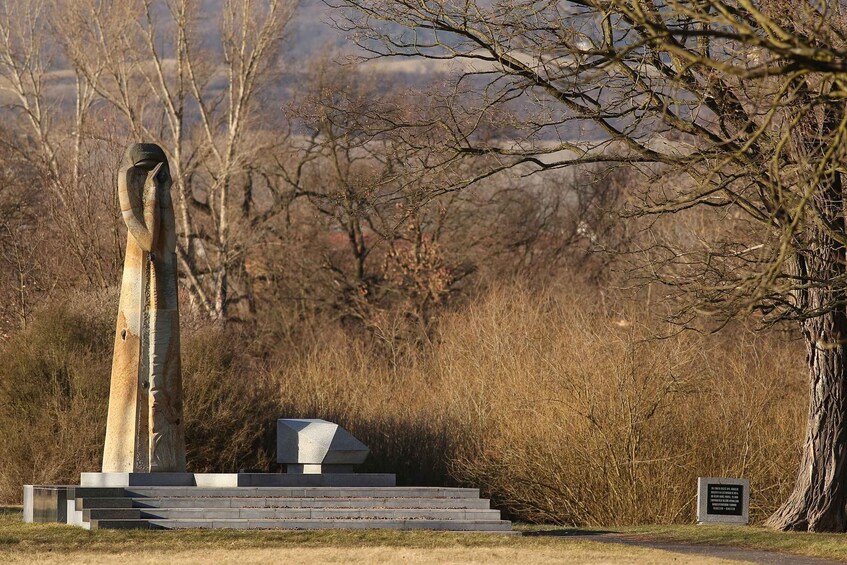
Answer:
(317, 446)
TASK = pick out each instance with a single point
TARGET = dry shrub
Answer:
(230, 416)
(53, 395)
(394, 408)
(54, 390)
(561, 406)
(581, 416)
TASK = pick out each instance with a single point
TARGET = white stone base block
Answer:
(316, 442)
(28, 504)
(137, 480)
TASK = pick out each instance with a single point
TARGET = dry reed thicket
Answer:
(560, 404)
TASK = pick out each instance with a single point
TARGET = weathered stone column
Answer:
(144, 428)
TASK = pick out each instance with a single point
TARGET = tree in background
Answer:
(152, 69)
(379, 220)
(48, 138)
(744, 99)
(250, 153)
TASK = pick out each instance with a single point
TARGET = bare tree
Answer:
(196, 96)
(22, 272)
(55, 130)
(744, 98)
(366, 189)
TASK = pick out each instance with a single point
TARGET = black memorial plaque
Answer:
(725, 500)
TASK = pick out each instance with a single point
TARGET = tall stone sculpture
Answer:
(145, 429)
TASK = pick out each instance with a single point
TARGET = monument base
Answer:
(230, 480)
(259, 501)
(56, 503)
(137, 480)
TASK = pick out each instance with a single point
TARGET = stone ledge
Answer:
(228, 480)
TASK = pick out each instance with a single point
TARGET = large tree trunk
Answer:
(819, 500)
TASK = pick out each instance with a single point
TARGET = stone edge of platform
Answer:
(237, 479)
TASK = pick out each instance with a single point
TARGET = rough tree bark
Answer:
(819, 500)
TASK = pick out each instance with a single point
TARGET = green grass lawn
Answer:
(18, 540)
(63, 545)
(830, 546)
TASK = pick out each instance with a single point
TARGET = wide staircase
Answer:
(294, 508)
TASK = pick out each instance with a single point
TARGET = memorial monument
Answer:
(144, 483)
(144, 428)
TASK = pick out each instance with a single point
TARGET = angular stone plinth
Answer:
(317, 446)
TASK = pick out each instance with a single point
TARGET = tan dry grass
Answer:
(583, 416)
(569, 552)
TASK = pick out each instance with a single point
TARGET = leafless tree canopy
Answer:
(733, 105)
(342, 162)
(743, 98)
(141, 68)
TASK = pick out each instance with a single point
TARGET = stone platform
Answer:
(236, 480)
(219, 503)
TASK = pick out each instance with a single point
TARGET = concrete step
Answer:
(110, 502)
(95, 492)
(288, 514)
(297, 492)
(89, 514)
(285, 502)
(499, 526)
